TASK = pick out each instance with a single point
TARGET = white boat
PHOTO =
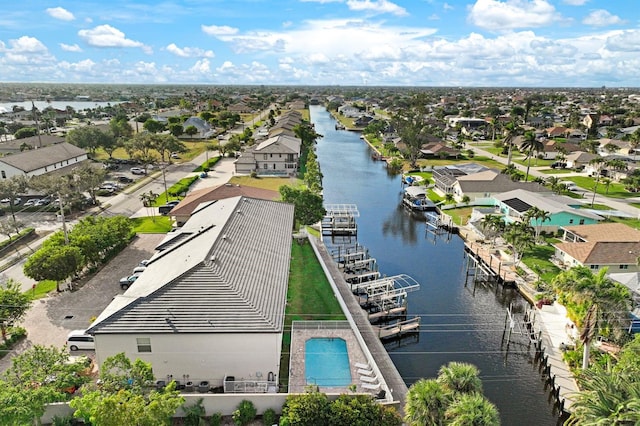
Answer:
(415, 198)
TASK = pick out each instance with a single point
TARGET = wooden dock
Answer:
(399, 328)
(369, 333)
(488, 264)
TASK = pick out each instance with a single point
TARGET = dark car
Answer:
(164, 210)
(124, 179)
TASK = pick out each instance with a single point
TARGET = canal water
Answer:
(458, 322)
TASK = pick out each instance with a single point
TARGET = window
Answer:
(271, 155)
(623, 267)
(570, 221)
(266, 166)
(4, 175)
(581, 221)
(265, 156)
(594, 266)
(144, 344)
(274, 166)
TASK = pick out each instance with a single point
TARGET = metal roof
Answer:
(230, 275)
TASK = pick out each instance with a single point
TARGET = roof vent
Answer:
(213, 258)
(224, 237)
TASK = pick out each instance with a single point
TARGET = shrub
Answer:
(216, 419)
(269, 417)
(244, 413)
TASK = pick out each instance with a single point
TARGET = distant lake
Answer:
(77, 105)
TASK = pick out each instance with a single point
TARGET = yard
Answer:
(265, 183)
(537, 259)
(615, 190)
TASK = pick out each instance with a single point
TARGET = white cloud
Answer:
(287, 24)
(602, 18)
(201, 67)
(376, 6)
(60, 13)
(624, 41)
(218, 30)
(575, 2)
(498, 15)
(321, 1)
(70, 47)
(25, 44)
(447, 6)
(108, 36)
(189, 52)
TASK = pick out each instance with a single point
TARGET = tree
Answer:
(492, 225)
(459, 377)
(120, 127)
(361, 410)
(11, 188)
(142, 145)
(191, 130)
(90, 138)
(472, 409)
(597, 164)
(413, 130)
(38, 376)
(538, 217)
(531, 144)
(426, 403)
(306, 133)
(25, 132)
(313, 176)
(453, 398)
(55, 263)
(88, 178)
(520, 236)
(166, 144)
(308, 205)
(123, 397)
(309, 409)
(14, 305)
(153, 126)
(176, 129)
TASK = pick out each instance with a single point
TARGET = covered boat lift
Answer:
(415, 198)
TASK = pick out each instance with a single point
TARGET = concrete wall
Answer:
(205, 356)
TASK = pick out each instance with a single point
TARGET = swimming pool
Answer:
(326, 362)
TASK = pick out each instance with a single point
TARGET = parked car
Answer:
(42, 202)
(124, 179)
(139, 269)
(164, 210)
(31, 202)
(173, 203)
(138, 171)
(125, 282)
(78, 339)
(175, 155)
(144, 262)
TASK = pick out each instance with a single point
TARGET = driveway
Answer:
(50, 319)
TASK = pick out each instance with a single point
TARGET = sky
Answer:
(496, 43)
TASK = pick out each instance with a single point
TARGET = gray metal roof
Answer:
(230, 275)
(35, 159)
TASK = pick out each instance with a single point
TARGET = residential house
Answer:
(553, 149)
(580, 159)
(612, 245)
(239, 108)
(485, 184)
(563, 210)
(438, 149)
(557, 132)
(275, 156)
(200, 198)
(350, 111)
(57, 157)
(205, 130)
(211, 302)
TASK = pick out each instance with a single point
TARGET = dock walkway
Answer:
(369, 333)
(491, 263)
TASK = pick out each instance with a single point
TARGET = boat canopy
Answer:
(415, 191)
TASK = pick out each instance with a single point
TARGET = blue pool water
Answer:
(326, 362)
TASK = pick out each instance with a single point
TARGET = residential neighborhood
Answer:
(536, 184)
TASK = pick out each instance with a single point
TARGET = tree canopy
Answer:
(308, 205)
(14, 305)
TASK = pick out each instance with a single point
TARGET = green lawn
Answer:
(634, 223)
(460, 215)
(555, 171)
(479, 159)
(309, 297)
(537, 259)
(152, 225)
(615, 190)
(43, 288)
(637, 205)
(535, 162)
(265, 183)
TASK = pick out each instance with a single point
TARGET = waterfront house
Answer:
(563, 210)
(58, 157)
(612, 245)
(275, 156)
(210, 303)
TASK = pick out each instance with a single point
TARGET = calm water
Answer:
(76, 105)
(459, 323)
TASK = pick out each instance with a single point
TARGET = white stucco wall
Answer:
(201, 356)
(10, 171)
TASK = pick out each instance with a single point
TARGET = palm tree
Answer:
(472, 410)
(531, 144)
(448, 198)
(492, 224)
(460, 377)
(597, 164)
(607, 183)
(519, 235)
(538, 216)
(426, 403)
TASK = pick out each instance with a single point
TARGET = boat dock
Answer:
(369, 333)
(340, 220)
(483, 263)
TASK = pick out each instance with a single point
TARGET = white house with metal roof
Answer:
(42, 160)
(211, 302)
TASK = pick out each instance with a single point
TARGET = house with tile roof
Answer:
(487, 183)
(563, 210)
(275, 156)
(211, 301)
(612, 245)
(35, 162)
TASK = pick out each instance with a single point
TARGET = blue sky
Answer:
(577, 43)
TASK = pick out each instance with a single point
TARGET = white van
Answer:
(571, 186)
(78, 339)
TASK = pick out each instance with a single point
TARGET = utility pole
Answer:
(35, 117)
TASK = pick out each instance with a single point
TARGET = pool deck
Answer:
(297, 376)
(375, 354)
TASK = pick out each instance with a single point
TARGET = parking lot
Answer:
(49, 320)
